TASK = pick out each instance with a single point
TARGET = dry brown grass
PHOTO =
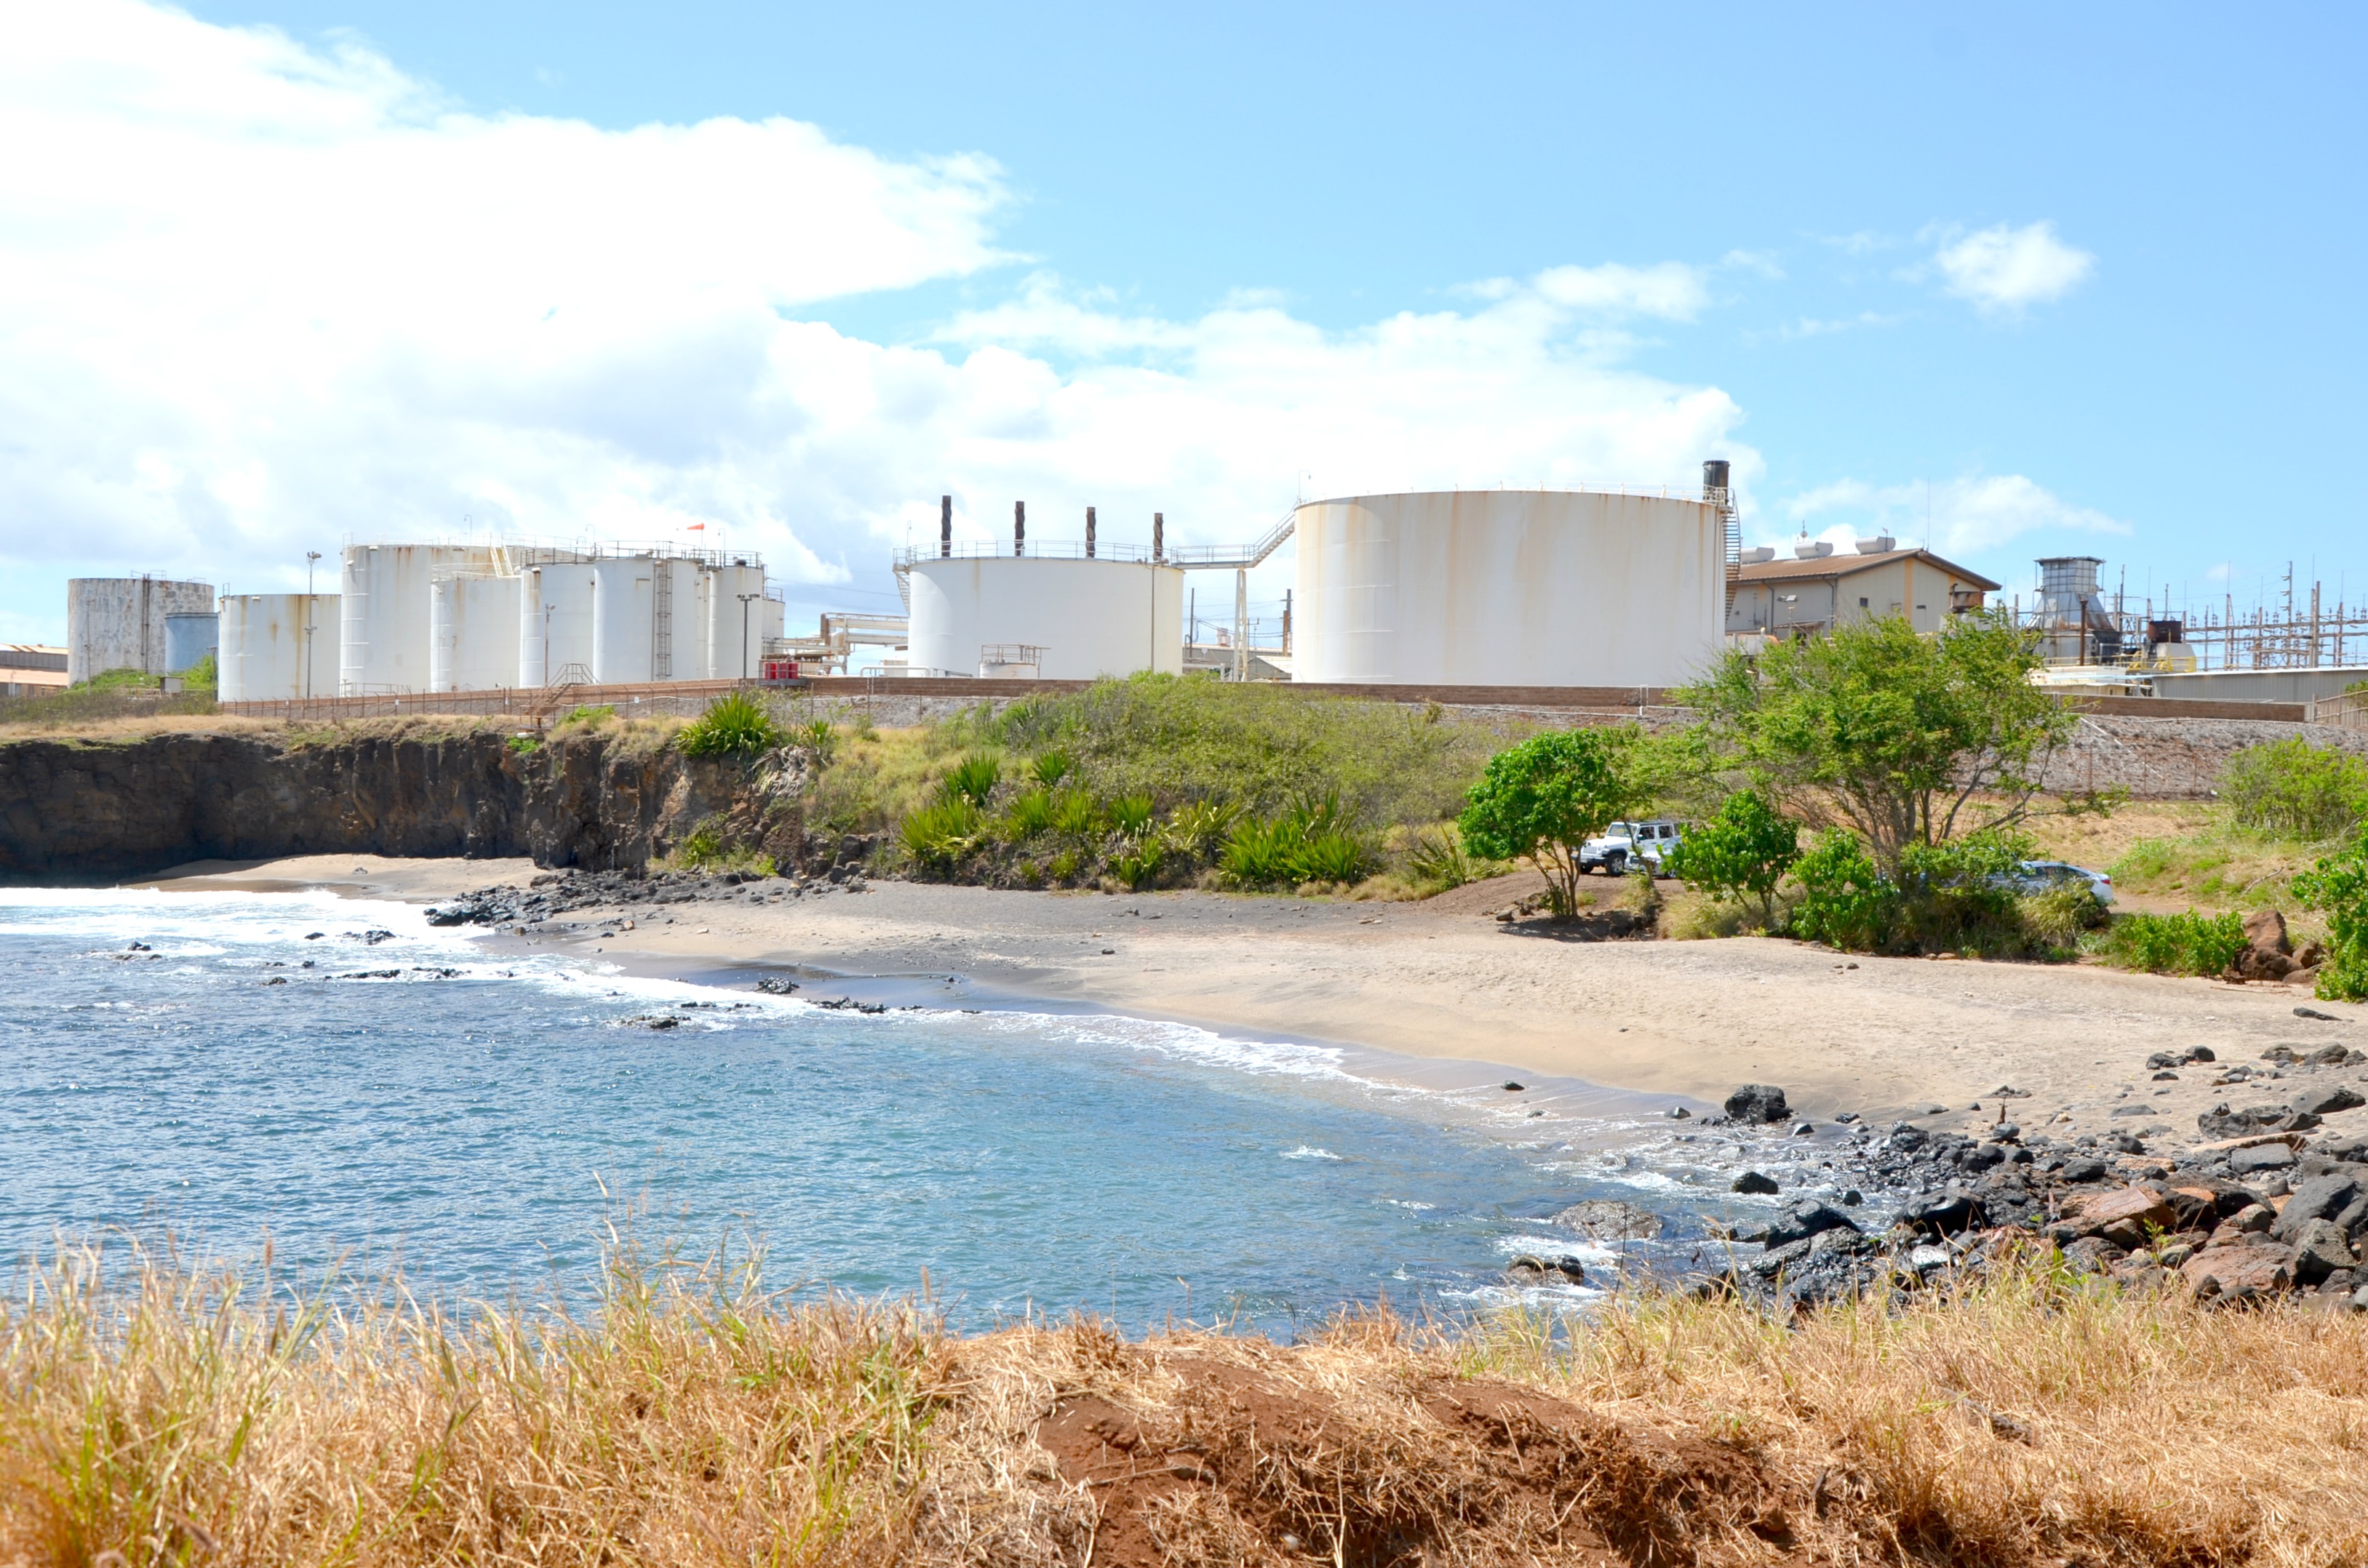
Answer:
(172, 1416)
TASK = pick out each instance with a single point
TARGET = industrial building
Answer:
(28, 669)
(1819, 589)
(150, 624)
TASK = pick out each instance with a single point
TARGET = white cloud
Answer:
(259, 297)
(1967, 517)
(2005, 269)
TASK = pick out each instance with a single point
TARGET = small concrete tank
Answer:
(119, 623)
(555, 624)
(1091, 618)
(277, 647)
(472, 633)
(1509, 587)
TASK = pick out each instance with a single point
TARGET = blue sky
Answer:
(2057, 279)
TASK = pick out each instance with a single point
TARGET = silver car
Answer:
(2045, 876)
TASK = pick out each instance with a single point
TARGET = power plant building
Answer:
(1819, 589)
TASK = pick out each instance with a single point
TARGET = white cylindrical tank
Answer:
(472, 633)
(277, 647)
(1090, 617)
(736, 622)
(118, 623)
(384, 642)
(1509, 587)
(621, 611)
(555, 624)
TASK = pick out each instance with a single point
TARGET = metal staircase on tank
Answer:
(662, 622)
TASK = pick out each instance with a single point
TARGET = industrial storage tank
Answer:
(1509, 587)
(1088, 618)
(276, 647)
(384, 642)
(738, 621)
(119, 623)
(472, 632)
(555, 624)
(649, 619)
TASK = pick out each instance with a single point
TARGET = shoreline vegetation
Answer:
(152, 1412)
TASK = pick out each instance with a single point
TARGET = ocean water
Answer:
(483, 1120)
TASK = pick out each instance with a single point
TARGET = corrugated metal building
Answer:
(1808, 595)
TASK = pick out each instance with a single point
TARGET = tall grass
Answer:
(150, 1413)
(2173, 944)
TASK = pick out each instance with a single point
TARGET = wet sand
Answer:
(1443, 980)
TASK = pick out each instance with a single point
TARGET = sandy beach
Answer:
(1443, 980)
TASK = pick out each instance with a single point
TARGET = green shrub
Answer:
(588, 718)
(1845, 901)
(1030, 814)
(937, 836)
(1077, 813)
(819, 736)
(707, 849)
(1741, 853)
(203, 676)
(1139, 867)
(973, 778)
(1131, 814)
(2339, 885)
(736, 725)
(1438, 860)
(125, 679)
(2173, 944)
(1311, 841)
(1062, 867)
(1198, 827)
(1051, 766)
(2293, 790)
(525, 746)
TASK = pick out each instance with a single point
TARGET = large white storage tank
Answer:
(555, 624)
(277, 647)
(1509, 587)
(472, 633)
(383, 644)
(649, 619)
(738, 619)
(1090, 617)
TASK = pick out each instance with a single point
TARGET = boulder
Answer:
(1609, 1220)
(2086, 1168)
(2328, 1101)
(1758, 1103)
(1753, 1182)
(2268, 952)
(2222, 1122)
(2319, 1198)
(2253, 1218)
(2239, 1273)
(1947, 1214)
(2129, 1210)
(2094, 1255)
(1800, 1221)
(2260, 1158)
(2320, 1250)
(1568, 1268)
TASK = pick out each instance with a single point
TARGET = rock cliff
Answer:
(88, 812)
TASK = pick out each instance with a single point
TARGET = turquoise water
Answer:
(480, 1121)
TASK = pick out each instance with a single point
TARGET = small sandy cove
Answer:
(1443, 979)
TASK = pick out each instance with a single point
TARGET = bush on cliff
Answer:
(736, 725)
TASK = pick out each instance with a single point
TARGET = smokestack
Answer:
(945, 526)
(1714, 486)
(1158, 536)
(1019, 528)
(1089, 533)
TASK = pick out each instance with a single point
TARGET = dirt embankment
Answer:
(75, 811)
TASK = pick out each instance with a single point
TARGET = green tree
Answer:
(1541, 799)
(2338, 884)
(1743, 852)
(1904, 738)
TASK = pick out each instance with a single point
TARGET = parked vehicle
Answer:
(2045, 876)
(1625, 845)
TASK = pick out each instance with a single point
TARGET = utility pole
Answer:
(744, 631)
(312, 623)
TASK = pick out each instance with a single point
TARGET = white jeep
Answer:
(1626, 846)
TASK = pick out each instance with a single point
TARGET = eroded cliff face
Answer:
(75, 812)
